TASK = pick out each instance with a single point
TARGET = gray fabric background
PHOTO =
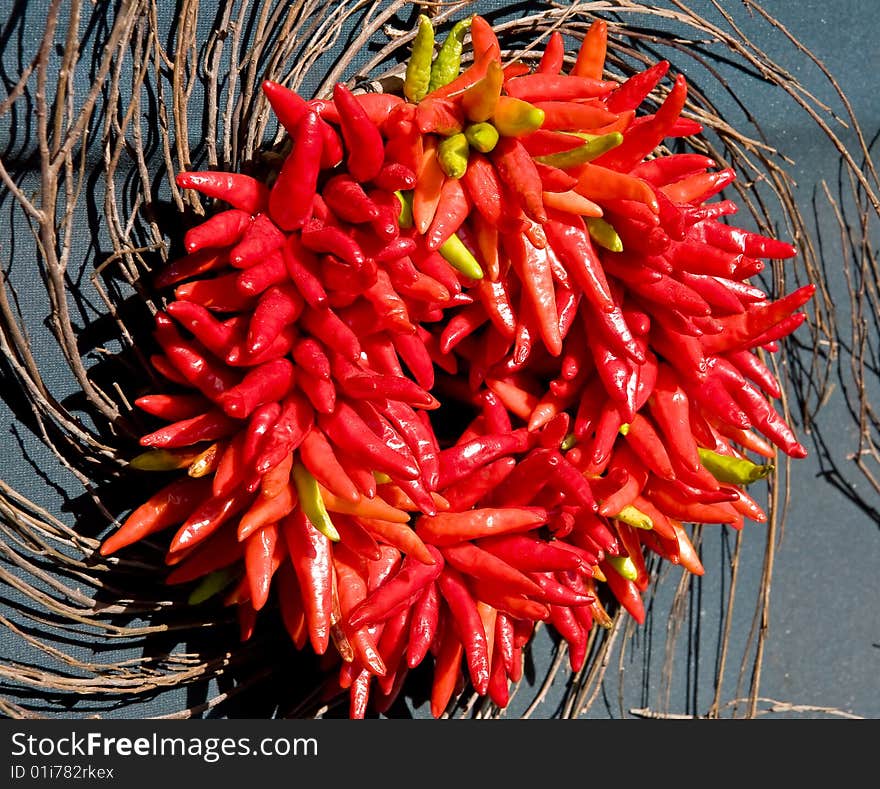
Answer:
(822, 650)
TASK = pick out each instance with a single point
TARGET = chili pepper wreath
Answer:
(459, 364)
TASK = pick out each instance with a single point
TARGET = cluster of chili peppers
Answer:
(467, 357)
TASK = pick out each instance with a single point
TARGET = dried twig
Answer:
(161, 99)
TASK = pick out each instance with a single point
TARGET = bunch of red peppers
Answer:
(456, 369)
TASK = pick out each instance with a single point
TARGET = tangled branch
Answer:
(95, 130)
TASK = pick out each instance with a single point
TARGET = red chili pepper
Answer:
(553, 592)
(267, 382)
(260, 238)
(262, 556)
(347, 199)
(441, 116)
(391, 387)
(518, 607)
(465, 458)
(293, 193)
(423, 625)
(468, 625)
(220, 293)
(260, 276)
(208, 426)
(447, 669)
(714, 292)
(468, 491)
(191, 265)
(554, 53)
(571, 242)
(518, 172)
(392, 647)
(768, 340)
(743, 330)
(557, 87)
(363, 140)
(395, 176)
(378, 106)
(698, 188)
(708, 212)
(405, 142)
(641, 140)
(334, 240)
(345, 428)
(310, 555)
(220, 230)
(290, 605)
(625, 591)
(756, 371)
(752, 244)
(239, 190)
(498, 689)
(601, 184)
(767, 419)
(429, 183)
(669, 407)
(401, 589)
(351, 587)
(289, 107)
(288, 432)
(276, 308)
(319, 458)
(591, 54)
(667, 497)
(469, 559)
(414, 354)
(209, 516)
(201, 372)
(630, 94)
(167, 507)
(447, 528)
(452, 210)
(326, 326)
(562, 618)
(483, 38)
(276, 499)
(302, 267)
(533, 268)
(663, 170)
(173, 407)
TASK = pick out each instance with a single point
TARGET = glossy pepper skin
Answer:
(506, 240)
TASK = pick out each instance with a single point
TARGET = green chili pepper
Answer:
(624, 566)
(405, 218)
(452, 153)
(568, 442)
(418, 68)
(460, 257)
(624, 429)
(212, 584)
(447, 64)
(516, 118)
(482, 137)
(592, 149)
(312, 504)
(604, 234)
(635, 517)
(161, 460)
(735, 471)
